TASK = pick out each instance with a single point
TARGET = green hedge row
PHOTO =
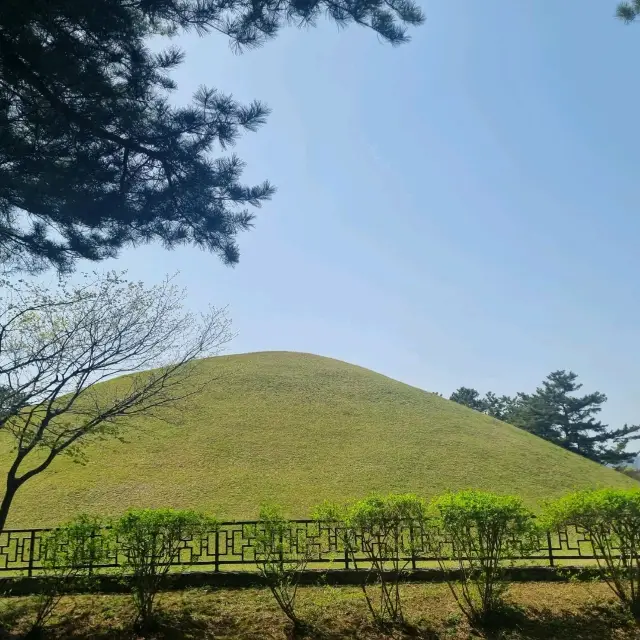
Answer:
(473, 532)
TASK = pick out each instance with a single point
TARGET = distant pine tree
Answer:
(499, 407)
(554, 413)
(469, 398)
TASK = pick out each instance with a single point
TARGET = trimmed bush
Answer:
(479, 533)
(151, 541)
(281, 556)
(387, 529)
(67, 555)
(611, 520)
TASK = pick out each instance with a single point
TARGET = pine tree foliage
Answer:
(499, 407)
(469, 398)
(628, 11)
(556, 413)
(94, 156)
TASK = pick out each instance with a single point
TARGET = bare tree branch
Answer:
(57, 348)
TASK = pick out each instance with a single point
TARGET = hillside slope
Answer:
(298, 428)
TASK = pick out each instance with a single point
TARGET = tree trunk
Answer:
(9, 493)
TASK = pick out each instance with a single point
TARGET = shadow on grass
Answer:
(168, 625)
(595, 622)
(358, 627)
(11, 617)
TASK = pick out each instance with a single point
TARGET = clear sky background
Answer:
(461, 210)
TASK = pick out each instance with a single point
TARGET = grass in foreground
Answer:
(542, 611)
(298, 429)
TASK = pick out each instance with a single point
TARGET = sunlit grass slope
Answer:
(296, 429)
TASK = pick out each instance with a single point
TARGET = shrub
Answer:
(478, 532)
(67, 555)
(151, 541)
(281, 557)
(387, 530)
(611, 520)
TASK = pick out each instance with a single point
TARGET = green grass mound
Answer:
(298, 429)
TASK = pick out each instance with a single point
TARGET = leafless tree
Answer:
(58, 344)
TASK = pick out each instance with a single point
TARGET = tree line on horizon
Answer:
(555, 413)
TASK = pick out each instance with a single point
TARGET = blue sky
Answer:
(461, 210)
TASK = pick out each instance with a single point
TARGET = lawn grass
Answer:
(298, 429)
(539, 611)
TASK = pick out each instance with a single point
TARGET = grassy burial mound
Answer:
(297, 429)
